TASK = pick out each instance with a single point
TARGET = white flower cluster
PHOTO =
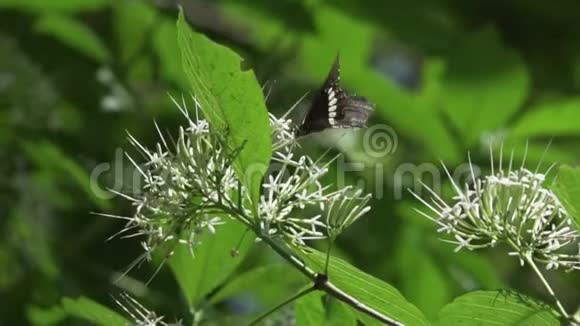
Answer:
(190, 186)
(513, 207)
(293, 183)
(140, 315)
(185, 187)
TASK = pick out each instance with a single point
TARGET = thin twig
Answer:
(285, 302)
(547, 286)
(531, 262)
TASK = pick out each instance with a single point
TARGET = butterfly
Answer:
(332, 107)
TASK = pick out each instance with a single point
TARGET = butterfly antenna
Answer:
(543, 155)
(158, 269)
(525, 154)
(132, 265)
(294, 106)
(269, 85)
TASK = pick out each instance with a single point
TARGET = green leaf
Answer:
(468, 270)
(271, 283)
(231, 100)
(133, 23)
(74, 34)
(90, 310)
(369, 290)
(557, 118)
(318, 309)
(471, 270)
(213, 261)
(485, 84)
(54, 315)
(428, 288)
(567, 188)
(68, 6)
(496, 308)
(309, 309)
(167, 49)
(338, 313)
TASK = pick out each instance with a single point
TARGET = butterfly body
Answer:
(332, 107)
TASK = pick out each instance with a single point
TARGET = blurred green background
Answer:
(448, 76)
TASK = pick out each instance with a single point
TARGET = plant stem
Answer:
(320, 281)
(325, 285)
(531, 262)
(346, 298)
(327, 263)
(547, 285)
(285, 302)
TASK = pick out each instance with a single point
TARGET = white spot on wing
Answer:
(332, 114)
(332, 108)
(331, 121)
(332, 102)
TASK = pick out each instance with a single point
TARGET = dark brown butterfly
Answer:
(332, 107)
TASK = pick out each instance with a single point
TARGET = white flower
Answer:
(182, 183)
(511, 206)
(345, 207)
(140, 315)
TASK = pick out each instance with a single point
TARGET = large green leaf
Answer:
(367, 289)
(232, 101)
(318, 309)
(213, 261)
(75, 34)
(567, 188)
(557, 118)
(496, 308)
(90, 310)
(484, 85)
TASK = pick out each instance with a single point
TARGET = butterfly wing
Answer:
(332, 107)
(317, 118)
(351, 112)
